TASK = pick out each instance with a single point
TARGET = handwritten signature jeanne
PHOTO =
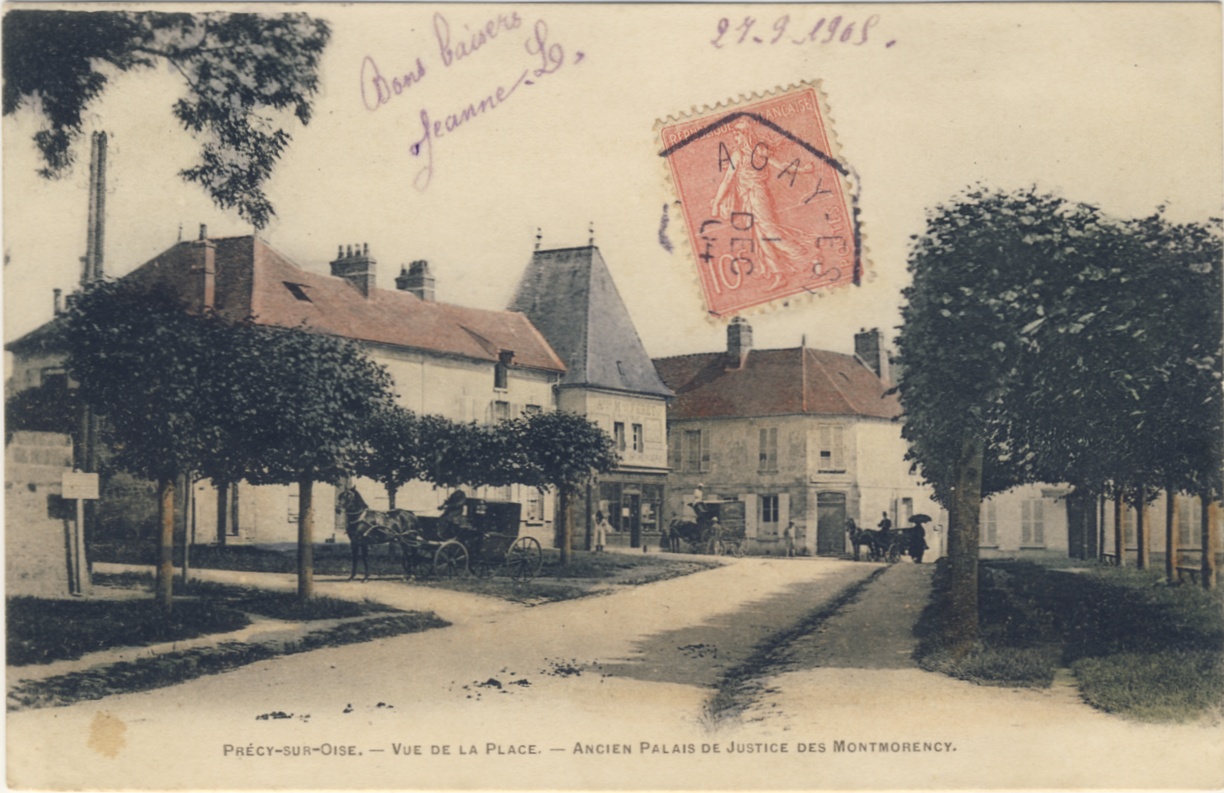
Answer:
(378, 90)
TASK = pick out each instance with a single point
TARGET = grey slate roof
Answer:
(569, 295)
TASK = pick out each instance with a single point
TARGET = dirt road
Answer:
(611, 692)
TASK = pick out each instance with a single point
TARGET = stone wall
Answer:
(35, 532)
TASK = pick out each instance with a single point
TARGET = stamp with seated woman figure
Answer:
(768, 205)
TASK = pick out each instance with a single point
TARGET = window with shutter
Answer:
(692, 450)
(768, 449)
(1189, 520)
(831, 448)
(990, 524)
(1032, 522)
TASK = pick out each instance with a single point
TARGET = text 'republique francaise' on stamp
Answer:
(769, 207)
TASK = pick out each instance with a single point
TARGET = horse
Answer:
(685, 531)
(874, 543)
(366, 527)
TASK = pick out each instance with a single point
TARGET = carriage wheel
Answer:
(894, 553)
(451, 559)
(524, 558)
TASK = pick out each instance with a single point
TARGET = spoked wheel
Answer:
(524, 559)
(451, 559)
(894, 553)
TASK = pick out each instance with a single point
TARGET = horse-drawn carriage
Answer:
(890, 545)
(473, 535)
(719, 529)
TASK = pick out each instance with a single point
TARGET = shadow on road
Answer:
(703, 654)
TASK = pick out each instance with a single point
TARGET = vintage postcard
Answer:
(613, 396)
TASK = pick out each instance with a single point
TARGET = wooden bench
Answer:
(1186, 570)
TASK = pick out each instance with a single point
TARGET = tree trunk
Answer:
(1171, 553)
(391, 491)
(1208, 571)
(1143, 559)
(188, 500)
(223, 489)
(164, 591)
(1119, 537)
(567, 526)
(1101, 528)
(305, 588)
(960, 623)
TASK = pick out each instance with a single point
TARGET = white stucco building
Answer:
(798, 434)
(570, 296)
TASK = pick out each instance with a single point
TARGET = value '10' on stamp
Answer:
(768, 206)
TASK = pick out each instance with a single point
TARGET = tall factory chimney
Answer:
(96, 236)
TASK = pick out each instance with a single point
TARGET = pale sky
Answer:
(1117, 105)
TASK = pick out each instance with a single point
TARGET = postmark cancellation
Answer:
(769, 207)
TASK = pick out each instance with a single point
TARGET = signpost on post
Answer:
(81, 487)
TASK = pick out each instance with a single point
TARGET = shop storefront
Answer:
(633, 504)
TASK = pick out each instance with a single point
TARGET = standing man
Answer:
(698, 497)
(918, 543)
(885, 527)
(601, 531)
(789, 537)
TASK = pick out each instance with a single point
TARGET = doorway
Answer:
(631, 517)
(830, 524)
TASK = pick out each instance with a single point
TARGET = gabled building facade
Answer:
(569, 295)
(463, 363)
(797, 434)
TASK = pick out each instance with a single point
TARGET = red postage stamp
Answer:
(768, 207)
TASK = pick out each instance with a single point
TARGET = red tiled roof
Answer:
(252, 279)
(795, 381)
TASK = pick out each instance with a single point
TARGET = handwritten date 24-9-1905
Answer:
(826, 30)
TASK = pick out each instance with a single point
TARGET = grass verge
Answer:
(44, 630)
(168, 669)
(1136, 646)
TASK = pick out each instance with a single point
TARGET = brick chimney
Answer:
(353, 264)
(869, 348)
(417, 279)
(739, 342)
(203, 272)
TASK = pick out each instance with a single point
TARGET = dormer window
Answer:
(298, 291)
(501, 371)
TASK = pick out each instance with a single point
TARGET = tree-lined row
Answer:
(1046, 342)
(191, 394)
(541, 450)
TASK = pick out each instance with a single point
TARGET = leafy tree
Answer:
(184, 393)
(563, 450)
(308, 398)
(391, 450)
(242, 72)
(138, 357)
(984, 273)
(451, 452)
